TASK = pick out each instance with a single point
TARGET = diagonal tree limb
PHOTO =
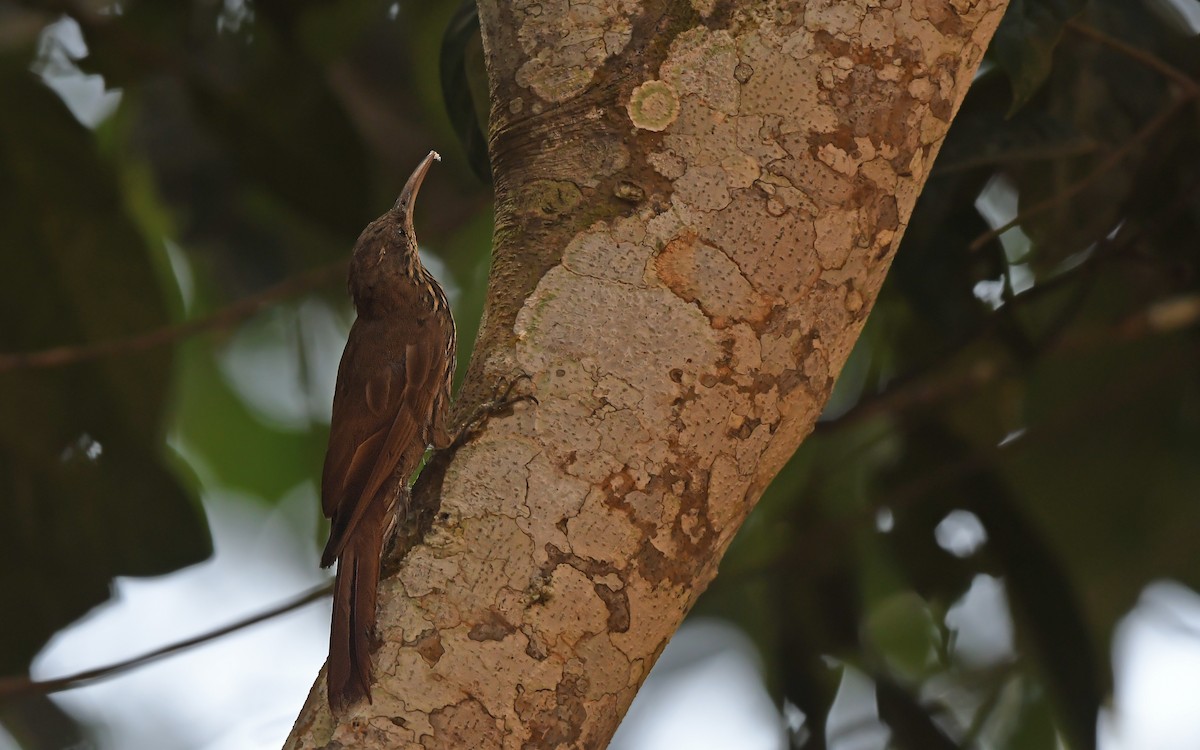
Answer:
(696, 206)
(226, 317)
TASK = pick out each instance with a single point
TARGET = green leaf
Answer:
(902, 629)
(1025, 41)
(464, 86)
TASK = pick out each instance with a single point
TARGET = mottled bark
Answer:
(696, 206)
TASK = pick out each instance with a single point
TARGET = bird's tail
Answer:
(352, 635)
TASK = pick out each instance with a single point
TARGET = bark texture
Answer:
(696, 206)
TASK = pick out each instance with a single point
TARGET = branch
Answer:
(224, 318)
(1138, 55)
(1191, 91)
(11, 686)
(1077, 187)
(922, 386)
(691, 228)
(1162, 318)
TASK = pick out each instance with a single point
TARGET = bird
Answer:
(390, 404)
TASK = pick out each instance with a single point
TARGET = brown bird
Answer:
(390, 404)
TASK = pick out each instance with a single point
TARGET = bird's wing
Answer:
(377, 416)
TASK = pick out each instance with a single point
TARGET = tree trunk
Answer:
(696, 205)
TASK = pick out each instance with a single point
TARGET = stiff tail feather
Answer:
(352, 634)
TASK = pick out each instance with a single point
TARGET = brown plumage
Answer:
(390, 404)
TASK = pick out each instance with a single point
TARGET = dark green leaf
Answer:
(1024, 43)
(464, 86)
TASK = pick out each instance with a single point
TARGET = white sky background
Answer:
(243, 691)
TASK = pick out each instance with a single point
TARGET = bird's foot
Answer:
(503, 398)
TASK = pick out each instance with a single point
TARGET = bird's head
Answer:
(386, 252)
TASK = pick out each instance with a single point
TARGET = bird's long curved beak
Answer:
(408, 196)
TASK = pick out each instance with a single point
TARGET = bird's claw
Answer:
(502, 399)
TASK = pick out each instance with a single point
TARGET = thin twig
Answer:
(1162, 317)
(10, 686)
(922, 386)
(1138, 55)
(1014, 156)
(1115, 158)
(1191, 91)
(224, 318)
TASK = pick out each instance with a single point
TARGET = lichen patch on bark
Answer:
(653, 106)
(565, 43)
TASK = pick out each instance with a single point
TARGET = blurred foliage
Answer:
(88, 490)
(1039, 383)
(249, 143)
